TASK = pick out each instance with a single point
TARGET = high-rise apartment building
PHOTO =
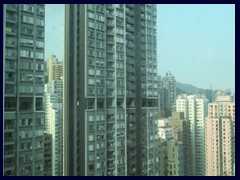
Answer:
(168, 93)
(110, 90)
(54, 123)
(220, 137)
(54, 69)
(181, 132)
(171, 151)
(23, 92)
(47, 154)
(195, 110)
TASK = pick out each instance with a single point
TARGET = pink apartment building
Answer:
(220, 137)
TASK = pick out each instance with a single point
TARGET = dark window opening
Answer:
(25, 104)
(39, 104)
(10, 104)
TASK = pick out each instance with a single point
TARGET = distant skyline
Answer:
(195, 42)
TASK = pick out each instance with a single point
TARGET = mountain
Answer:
(182, 88)
(187, 88)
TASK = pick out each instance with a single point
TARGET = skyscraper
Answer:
(110, 90)
(23, 88)
(181, 131)
(54, 123)
(195, 110)
(54, 69)
(220, 137)
(168, 93)
(171, 150)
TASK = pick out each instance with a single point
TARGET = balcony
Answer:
(110, 41)
(9, 164)
(11, 79)
(110, 118)
(130, 36)
(110, 33)
(130, 69)
(11, 18)
(110, 58)
(12, 7)
(110, 15)
(130, 94)
(130, 6)
(131, 78)
(130, 45)
(130, 52)
(11, 43)
(110, 67)
(8, 139)
(110, 24)
(110, 93)
(9, 128)
(130, 28)
(9, 152)
(110, 7)
(111, 157)
(129, 12)
(130, 20)
(130, 61)
(11, 30)
(110, 75)
(110, 50)
(11, 55)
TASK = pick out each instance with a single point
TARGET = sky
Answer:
(195, 42)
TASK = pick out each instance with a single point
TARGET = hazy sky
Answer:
(195, 42)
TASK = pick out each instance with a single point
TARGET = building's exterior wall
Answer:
(23, 88)
(110, 81)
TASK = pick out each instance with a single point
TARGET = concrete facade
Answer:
(220, 137)
(110, 96)
(195, 110)
(23, 83)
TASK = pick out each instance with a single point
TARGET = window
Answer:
(28, 8)
(40, 11)
(27, 30)
(26, 89)
(39, 104)
(27, 19)
(100, 45)
(11, 53)
(10, 65)
(39, 78)
(39, 89)
(40, 22)
(9, 76)
(10, 40)
(39, 44)
(90, 147)
(91, 167)
(91, 24)
(39, 55)
(90, 138)
(39, 121)
(91, 34)
(91, 157)
(25, 104)
(90, 118)
(40, 33)
(26, 53)
(91, 7)
(10, 104)
(100, 103)
(39, 67)
(91, 103)
(26, 42)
